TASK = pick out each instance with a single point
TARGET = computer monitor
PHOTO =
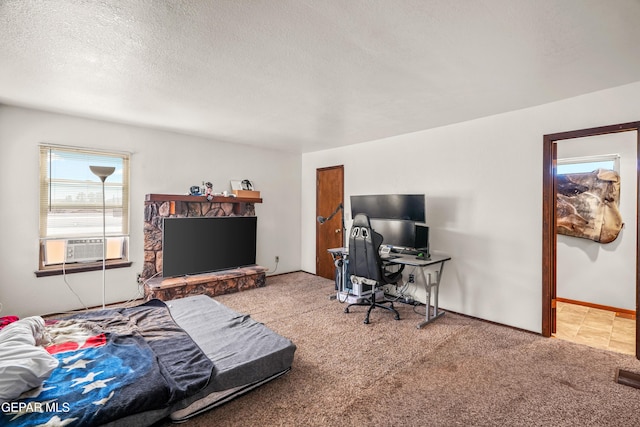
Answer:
(395, 232)
(402, 235)
(421, 238)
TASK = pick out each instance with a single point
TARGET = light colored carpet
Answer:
(456, 371)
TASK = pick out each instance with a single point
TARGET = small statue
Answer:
(208, 192)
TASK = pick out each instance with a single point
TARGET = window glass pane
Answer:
(582, 167)
(65, 223)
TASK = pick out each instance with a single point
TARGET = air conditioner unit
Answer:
(83, 250)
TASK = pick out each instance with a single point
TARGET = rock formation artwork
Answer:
(587, 205)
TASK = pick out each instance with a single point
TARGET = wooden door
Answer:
(329, 196)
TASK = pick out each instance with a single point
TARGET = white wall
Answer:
(483, 185)
(162, 162)
(598, 273)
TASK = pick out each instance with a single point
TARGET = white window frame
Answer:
(54, 242)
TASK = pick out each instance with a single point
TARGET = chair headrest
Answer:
(361, 220)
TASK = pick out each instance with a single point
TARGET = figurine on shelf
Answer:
(208, 192)
(247, 185)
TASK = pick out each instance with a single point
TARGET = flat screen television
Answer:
(206, 244)
(390, 206)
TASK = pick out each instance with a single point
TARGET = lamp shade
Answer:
(102, 172)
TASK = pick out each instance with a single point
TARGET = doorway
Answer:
(549, 240)
(329, 205)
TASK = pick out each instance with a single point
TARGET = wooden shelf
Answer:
(199, 199)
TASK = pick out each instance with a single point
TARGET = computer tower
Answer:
(361, 290)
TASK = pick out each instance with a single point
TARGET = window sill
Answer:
(57, 270)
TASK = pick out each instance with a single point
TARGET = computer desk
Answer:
(431, 286)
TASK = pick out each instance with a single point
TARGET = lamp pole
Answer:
(103, 172)
(342, 260)
(339, 208)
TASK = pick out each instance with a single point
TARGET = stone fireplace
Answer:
(160, 206)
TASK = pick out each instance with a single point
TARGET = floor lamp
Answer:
(342, 264)
(103, 172)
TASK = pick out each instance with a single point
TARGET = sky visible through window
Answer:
(75, 204)
(582, 167)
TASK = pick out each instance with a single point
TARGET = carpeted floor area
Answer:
(456, 371)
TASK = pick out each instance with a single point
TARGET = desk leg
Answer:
(429, 286)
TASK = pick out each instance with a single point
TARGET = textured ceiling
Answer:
(304, 75)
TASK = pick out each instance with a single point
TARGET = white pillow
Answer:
(23, 365)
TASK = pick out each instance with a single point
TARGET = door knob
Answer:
(337, 230)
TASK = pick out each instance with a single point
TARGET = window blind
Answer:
(71, 195)
(587, 164)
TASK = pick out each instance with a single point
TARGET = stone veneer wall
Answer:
(213, 284)
(155, 211)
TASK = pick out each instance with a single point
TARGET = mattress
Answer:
(245, 353)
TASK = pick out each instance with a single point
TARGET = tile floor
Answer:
(596, 328)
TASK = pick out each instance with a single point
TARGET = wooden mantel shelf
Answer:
(202, 199)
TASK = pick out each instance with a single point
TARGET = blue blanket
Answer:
(113, 363)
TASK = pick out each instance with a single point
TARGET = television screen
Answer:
(390, 206)
(205, 244)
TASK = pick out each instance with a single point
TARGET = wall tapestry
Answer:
(587, 205)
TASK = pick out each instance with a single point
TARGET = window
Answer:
(71, 207)
(588, 164)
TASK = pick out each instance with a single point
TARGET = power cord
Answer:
(140, 291)
(271, 273)
(405, 286)
(417, 304)
(64, 278)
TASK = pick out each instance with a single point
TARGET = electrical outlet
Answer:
(277, 259)
(411, 278)
(139, 278)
